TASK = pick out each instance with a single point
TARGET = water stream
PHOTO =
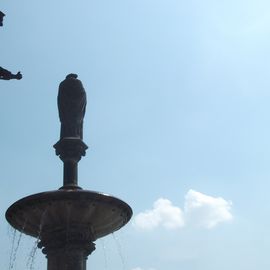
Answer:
(12, 248)
(104, 253)
(31, 258)
(119, 250)
(15, 247)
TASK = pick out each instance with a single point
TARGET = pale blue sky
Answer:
(178, 100)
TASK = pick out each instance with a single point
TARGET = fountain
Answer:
(66, 222)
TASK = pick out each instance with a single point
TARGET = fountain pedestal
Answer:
(67, 248)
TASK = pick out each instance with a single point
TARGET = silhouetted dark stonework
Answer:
(2, 15)
(5, 74)
(68, 221)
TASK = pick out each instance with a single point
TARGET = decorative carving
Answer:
(70, 149)
(71, 236)
(68, 246)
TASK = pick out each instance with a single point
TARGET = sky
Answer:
(177, 125)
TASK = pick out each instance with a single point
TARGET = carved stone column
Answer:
(70, 150)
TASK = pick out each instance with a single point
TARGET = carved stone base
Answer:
(67, 248)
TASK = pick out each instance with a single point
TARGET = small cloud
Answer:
(139, 268)
(206, 211)
(164, 213)
(200, 210)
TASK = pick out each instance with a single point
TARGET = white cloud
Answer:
(139, 268)
(164, 213)
(206, 211)
(200, 210)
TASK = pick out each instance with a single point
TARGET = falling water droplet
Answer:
(119, 250)
(12, 249)
(10, 231)
(104, 253)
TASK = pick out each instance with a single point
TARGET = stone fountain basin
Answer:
(44, 212)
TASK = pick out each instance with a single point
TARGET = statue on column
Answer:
(5, 74)
(71, 106)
